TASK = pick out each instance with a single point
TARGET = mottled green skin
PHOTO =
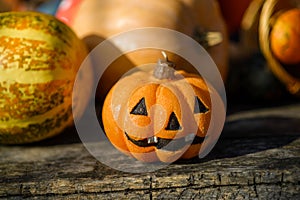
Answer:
(37, 21)
(36, 44)
(35, 131)
(16, 101)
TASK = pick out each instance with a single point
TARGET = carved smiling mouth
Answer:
(167, 144)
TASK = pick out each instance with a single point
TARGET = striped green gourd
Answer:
(39, 59)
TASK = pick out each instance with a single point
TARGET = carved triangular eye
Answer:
(173, 123)
(199, 106)
(140, 108)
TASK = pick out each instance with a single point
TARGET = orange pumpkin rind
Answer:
(270, 9)
(172, 115)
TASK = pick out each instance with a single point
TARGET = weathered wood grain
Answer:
(257, 157)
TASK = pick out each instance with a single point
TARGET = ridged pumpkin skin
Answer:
(141, 106)
(39, 59)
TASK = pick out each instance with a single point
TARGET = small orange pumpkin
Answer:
(158, 115)
(285, 37)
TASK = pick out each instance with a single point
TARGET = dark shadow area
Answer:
(280, 164)
(242, 137)
(68, 136)
(235, 147)
(251, 84)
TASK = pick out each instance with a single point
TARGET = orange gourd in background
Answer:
(285, 37)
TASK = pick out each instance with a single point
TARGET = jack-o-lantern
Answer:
(158, 114)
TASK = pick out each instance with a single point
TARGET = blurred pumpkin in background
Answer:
(285, 37)
(106, 18)
(95, 20)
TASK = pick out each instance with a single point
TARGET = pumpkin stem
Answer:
(207, 39)
(164, 68)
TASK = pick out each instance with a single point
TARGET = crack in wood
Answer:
(191, 180)
(281, 184)
(219, 178)
(254, 187)
(150, 190)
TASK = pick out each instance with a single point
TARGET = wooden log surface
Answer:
(256, 157)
